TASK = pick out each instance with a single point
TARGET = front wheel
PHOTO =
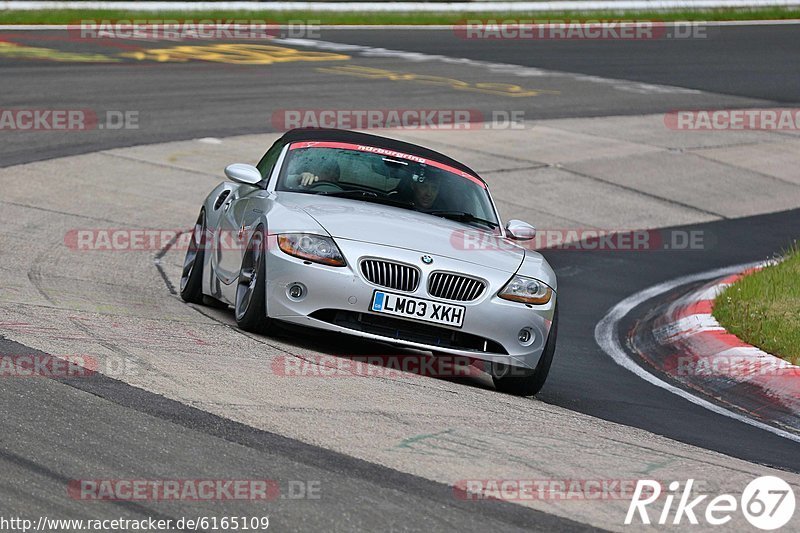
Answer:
(251, 308)
(508, 379)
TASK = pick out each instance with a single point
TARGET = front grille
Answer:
(451, 286)
(390, 275)
(407, 330)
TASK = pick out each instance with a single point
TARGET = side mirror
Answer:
(243, 173)
(519, 230)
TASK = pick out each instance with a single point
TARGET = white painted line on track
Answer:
(499, 68)
(605, 334)
(456, 7)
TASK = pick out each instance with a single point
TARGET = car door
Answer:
(231, 237)
(235, 223)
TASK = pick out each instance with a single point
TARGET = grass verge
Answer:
(763, 309)
(74, 16)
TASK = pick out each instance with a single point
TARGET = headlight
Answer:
(316, 248)
(526, 290)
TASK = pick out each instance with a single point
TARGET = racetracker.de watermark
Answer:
(575, 239)
(67, 120)
(383, 366)
(581, 30)
(587, 239)
(193, 489)
(198, 30)
(65, 366)
(407, 119)
(734, 366)
(47, 366)
(777, 118)
(544, 489)
(153, 239)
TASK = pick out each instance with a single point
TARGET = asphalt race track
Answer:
(204, 412)
(224, 97)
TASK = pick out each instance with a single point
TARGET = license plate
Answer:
(418, 309)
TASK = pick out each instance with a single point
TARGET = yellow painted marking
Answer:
(17, 51)
(502, 89)
(239, 54)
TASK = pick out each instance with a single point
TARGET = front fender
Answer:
(536, 266)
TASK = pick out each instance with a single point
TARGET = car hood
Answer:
(402, 228)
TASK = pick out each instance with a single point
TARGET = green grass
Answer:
(73, 16)
(763, 309)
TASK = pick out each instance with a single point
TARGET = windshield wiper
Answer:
(369, 196)
(463, 216)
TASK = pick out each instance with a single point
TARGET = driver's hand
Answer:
(307, 178)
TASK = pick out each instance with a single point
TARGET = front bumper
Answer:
(338, 299)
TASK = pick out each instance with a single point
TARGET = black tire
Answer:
(531, 383)
(191, 287)
(250, 308)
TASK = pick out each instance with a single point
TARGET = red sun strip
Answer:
(386, 152)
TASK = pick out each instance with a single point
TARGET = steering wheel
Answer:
(331, 186)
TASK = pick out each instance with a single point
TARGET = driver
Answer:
(326, 171)
(425, 190)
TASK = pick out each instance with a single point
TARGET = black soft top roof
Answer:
(322, 134)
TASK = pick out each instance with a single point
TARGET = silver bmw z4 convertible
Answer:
(369, 236)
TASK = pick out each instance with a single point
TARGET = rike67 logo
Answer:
(767, 503)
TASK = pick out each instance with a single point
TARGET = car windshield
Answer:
(385, 176)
